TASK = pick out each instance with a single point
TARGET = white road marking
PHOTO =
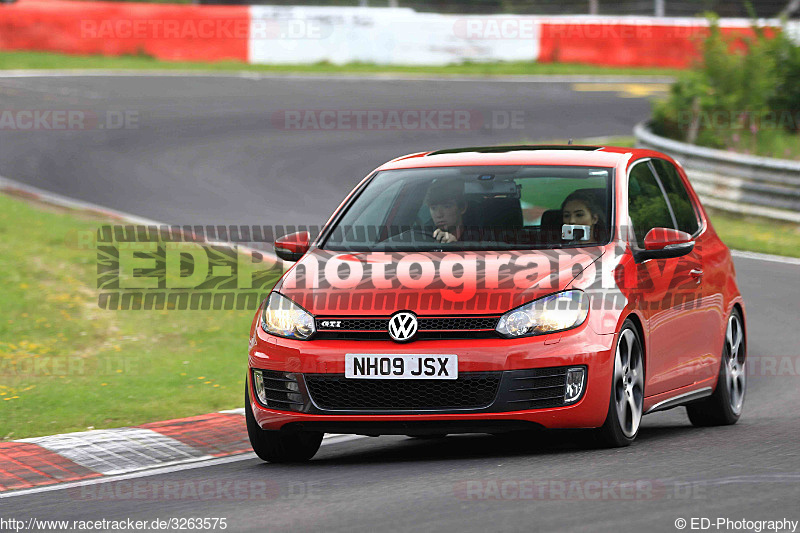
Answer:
(237, 411)
(9, 185)
(766, 257)
(71, 203)
(200, 462)
(357, 77)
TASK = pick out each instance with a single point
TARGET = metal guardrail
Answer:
(761, 186)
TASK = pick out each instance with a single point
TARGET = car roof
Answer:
(539, 154)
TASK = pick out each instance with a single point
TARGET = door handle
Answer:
(697, 274)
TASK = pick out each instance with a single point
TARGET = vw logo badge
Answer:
(403, 326)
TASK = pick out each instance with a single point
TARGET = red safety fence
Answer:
(212, 33)
(640, 44)
(171, 32)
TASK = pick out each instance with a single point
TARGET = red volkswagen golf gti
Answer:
(487, 290)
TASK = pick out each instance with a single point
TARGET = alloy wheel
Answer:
(629, 382)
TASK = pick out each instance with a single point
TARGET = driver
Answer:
(447, 204)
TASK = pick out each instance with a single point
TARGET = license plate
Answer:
(404, 366)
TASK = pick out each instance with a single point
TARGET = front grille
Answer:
(334, 392)
(459, 323)
(463, 327)
(537, 388)
(420, 336)
(362, 324)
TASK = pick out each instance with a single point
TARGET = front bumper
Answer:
(508, 361)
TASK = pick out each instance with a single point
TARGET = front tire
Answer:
(724, 407)
(279, 446)
(626, 400)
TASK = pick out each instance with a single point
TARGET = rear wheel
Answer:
(627, 390)
(724, 407)
(280, 446)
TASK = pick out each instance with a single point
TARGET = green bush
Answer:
(744, 94)
(785, 98)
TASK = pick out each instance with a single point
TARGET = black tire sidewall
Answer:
(612, 429)
(722, 392)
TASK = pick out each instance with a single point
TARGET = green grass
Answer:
(67, 365)
(623, 141)
(48, 60)
(768, 142)
(755, 234)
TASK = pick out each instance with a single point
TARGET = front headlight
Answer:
(557, 312)
(284, 318)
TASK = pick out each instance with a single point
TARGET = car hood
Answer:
(329, 283)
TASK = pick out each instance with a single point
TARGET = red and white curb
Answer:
(70, 459)
(28, 463)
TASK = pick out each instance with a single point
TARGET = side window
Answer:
(646, 204)
(678, 196)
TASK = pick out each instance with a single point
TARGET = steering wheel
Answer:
(427, 236)
(411, 235)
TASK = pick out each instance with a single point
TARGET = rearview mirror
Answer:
(293, 246)
(664, 243)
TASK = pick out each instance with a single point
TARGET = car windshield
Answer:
(477, 208)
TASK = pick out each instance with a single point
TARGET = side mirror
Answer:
(664, 243)
(293, 246)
